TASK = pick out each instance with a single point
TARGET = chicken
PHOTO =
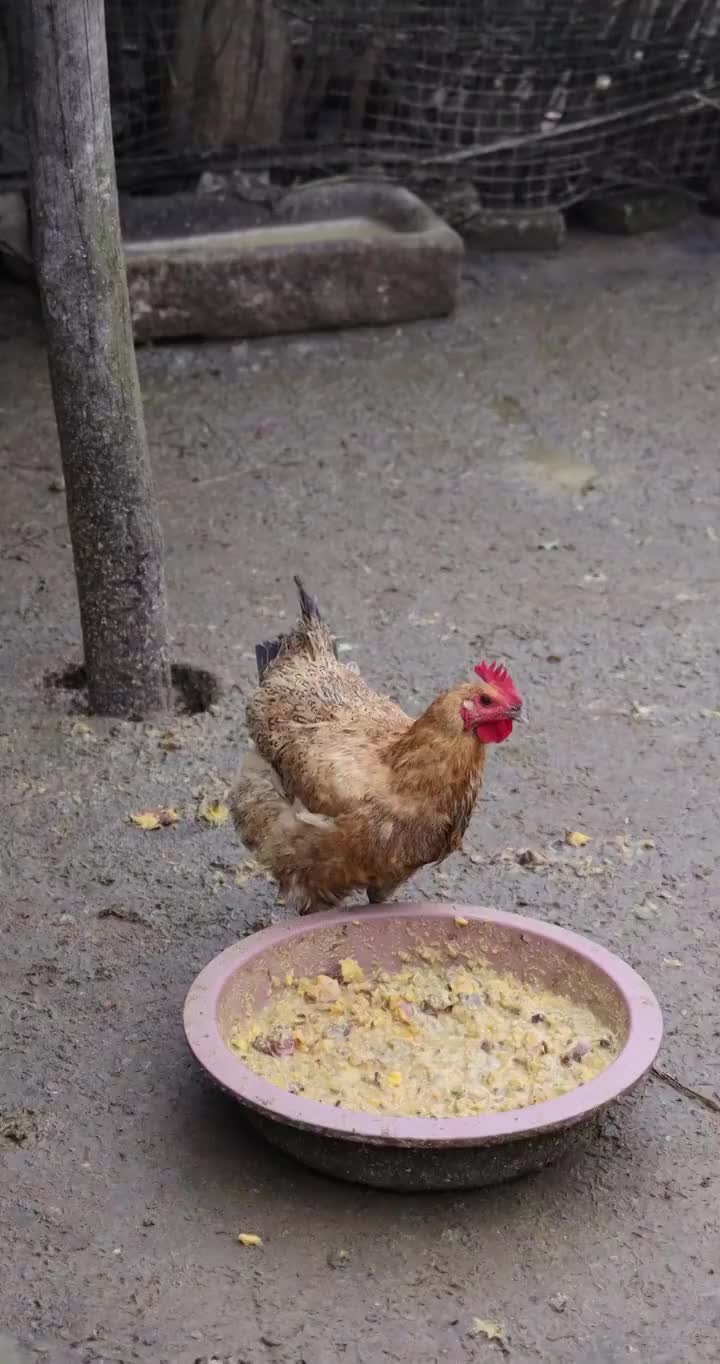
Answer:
(343, 791)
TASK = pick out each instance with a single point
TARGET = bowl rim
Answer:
(279, 1105)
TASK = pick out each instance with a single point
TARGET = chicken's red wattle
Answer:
(494, 732)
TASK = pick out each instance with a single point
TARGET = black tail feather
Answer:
(308, 605)
(268, 650)
(309, 608)
(265, 653)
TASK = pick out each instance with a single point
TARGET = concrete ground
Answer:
(433, 484)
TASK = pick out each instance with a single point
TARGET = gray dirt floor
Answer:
(432, 484)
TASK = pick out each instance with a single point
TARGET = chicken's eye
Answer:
(485, 701)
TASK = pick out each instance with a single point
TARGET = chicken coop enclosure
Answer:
(513, 104)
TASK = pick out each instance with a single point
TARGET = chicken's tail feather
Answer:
(309, 608)
(266, 652)
(310, 635)
(313, 626)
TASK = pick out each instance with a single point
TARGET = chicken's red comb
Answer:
(498, 676)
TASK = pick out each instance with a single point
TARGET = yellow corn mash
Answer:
(431, 1040)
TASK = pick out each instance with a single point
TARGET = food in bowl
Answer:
(441, 1036)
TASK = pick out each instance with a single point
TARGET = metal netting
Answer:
(517, 103)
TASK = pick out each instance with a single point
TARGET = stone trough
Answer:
(331, 254)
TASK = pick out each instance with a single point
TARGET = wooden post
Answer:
(116, 540)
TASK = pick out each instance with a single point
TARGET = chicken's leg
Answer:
(377, 895)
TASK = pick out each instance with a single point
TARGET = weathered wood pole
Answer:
(116, 539)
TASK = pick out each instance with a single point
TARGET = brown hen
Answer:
(344, 791)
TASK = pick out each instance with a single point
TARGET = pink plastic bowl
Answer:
(422, 1153)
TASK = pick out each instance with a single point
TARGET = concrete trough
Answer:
(332, 254)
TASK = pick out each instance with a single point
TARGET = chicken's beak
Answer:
(515, 713)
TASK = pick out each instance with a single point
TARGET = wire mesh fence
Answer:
(528, 104)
